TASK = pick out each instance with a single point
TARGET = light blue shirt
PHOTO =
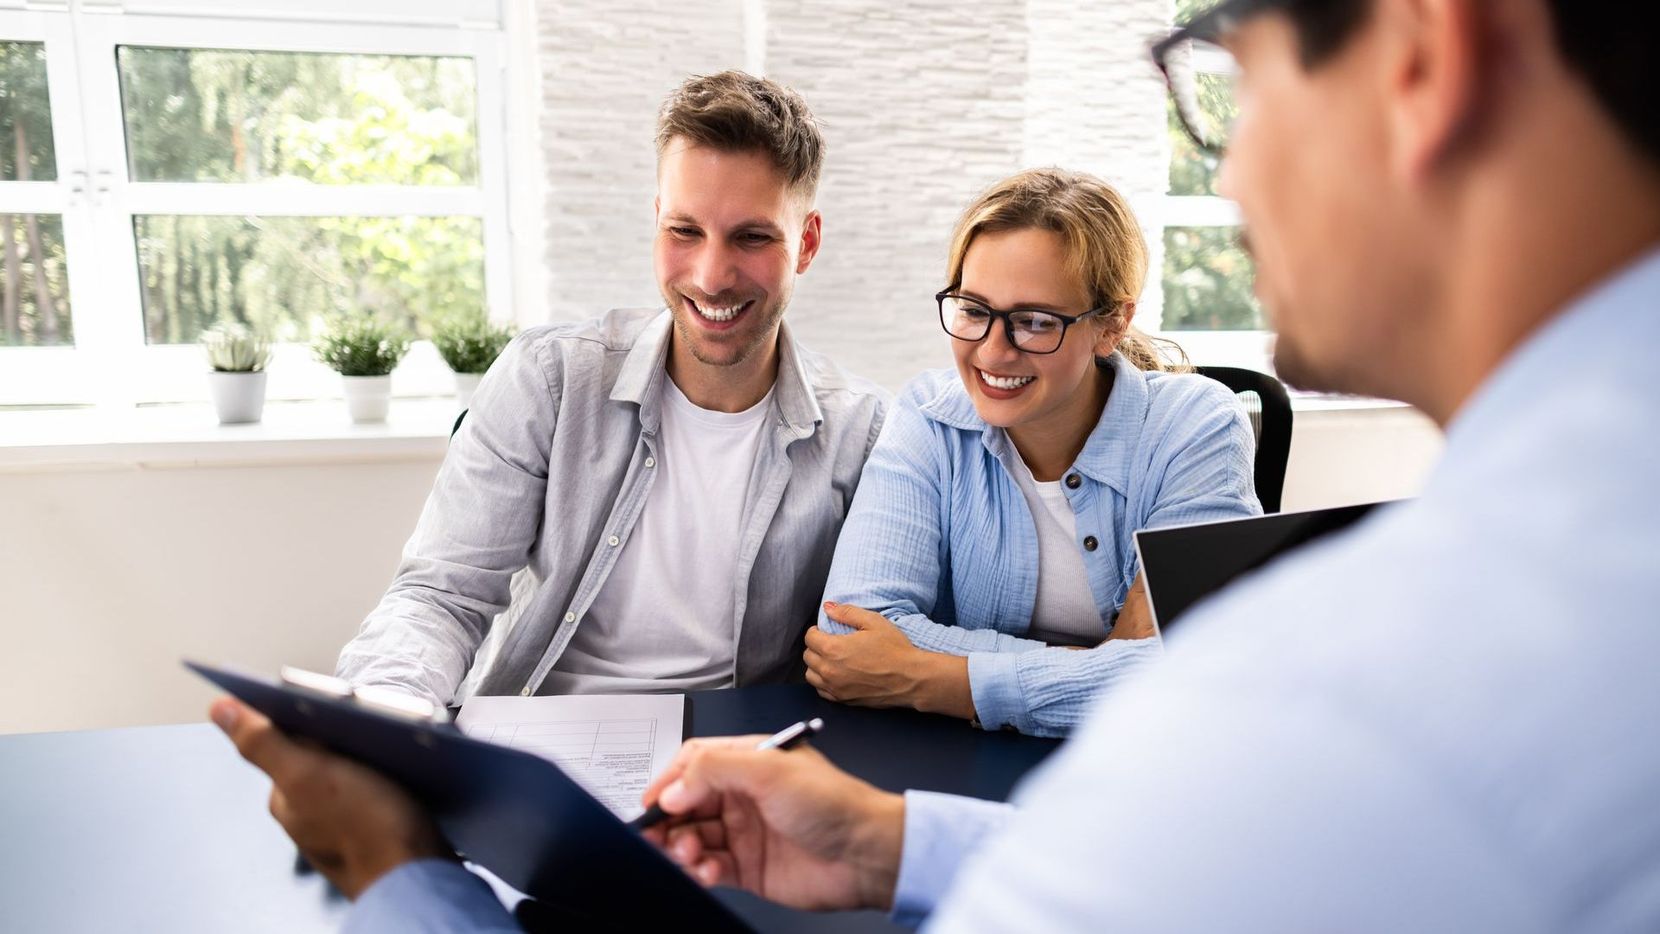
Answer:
(432, 896)
(941, 541)
(1448, 719)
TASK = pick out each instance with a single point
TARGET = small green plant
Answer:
(361, 347)
(233, 348)
(468, 343)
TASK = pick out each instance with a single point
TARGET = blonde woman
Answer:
(986, 569)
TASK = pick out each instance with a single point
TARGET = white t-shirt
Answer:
(1065, 612)
(666, 617)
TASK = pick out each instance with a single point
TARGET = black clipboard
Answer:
(513, 813)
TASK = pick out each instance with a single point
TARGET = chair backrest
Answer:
(1269, 407)
(457, 426)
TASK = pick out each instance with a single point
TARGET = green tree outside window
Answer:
(34, 288)
(280, 118)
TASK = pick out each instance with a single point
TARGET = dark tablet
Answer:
(1186, 563)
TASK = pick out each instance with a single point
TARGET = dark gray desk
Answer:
(164, 828)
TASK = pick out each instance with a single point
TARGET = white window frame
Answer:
(1252, 350)
(53, 374)
(110, 363)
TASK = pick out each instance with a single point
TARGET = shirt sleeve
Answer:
(1204, 463)
(939, 830)
(1268, 799)
(430, 896)
(1047, 692)
(889, 556)
(926, 634)
(476, 530)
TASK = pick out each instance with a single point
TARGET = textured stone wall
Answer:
(1094, 102)
(924, 103)
(922, 108)
(606, 67)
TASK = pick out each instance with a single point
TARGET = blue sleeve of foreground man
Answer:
(940, 830)
(434, 896)
(430, 896)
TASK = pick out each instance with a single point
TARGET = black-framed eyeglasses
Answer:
(1200, 73)
(1029, 331)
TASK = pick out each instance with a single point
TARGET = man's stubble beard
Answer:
(765, 333)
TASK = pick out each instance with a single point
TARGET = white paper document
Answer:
(610, 744)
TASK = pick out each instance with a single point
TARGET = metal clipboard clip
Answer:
(380, 699)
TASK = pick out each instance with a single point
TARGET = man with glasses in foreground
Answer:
(1442, 719)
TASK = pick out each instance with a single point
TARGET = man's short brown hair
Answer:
(736, 112)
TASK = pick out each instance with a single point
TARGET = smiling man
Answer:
(672, 479)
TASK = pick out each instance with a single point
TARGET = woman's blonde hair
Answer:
(1103, 246)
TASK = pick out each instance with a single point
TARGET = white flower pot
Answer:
(367, 397)
(239, 398)
(465, 385)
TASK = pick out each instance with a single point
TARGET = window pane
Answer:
(283, 274)
(1207, 281)
(34, 291)
(25, 114)
(199, 115)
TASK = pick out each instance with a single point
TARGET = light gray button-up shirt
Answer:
(551, 463)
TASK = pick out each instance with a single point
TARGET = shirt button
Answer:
(1073, 481)
(570, 617)
(651, 462)
(524, 692)
(613, 541)
(1090, 543)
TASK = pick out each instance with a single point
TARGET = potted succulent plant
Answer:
(237, 380)
(364, 351)
(469, 344)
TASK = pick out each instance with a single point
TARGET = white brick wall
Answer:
(924, 103)
(1095, 103)
(922, 108)
(606, 67)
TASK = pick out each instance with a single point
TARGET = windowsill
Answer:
(1309, 402)
(188, 435)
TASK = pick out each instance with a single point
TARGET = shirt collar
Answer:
(1108, 452)
(646, 366)
(797, 403)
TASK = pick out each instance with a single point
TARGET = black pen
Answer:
(787, 738)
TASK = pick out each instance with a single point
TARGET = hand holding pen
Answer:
(787, 738)
(790, 828)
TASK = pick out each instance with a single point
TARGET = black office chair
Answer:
(1269, 408)
(457, 426)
